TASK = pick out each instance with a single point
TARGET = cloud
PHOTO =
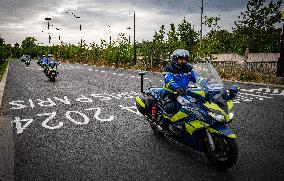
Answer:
(21, 18)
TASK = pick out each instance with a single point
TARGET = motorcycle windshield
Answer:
(210, 75)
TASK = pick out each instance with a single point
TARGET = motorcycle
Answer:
(202, 117)
(50, 71)
(28, 62)
(24, 58)
(39, 60)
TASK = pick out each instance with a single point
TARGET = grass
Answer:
(3, 67)
(244, 74)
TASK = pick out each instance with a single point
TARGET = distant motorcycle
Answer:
(24, 58)
(39, 60)
(28, 62)
(51, 71)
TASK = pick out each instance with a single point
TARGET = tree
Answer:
(257, 26)
(2, 41)
(187, 35)
(29, 46)
(160, 51)
(4, 54)
(216, 41)
(17, 50)
(212, 22)
(259, 16)
(173, 39)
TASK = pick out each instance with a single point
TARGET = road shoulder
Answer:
(6, 140)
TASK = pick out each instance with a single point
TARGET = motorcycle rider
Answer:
(43, 61)
(46, 62)
(50, 63)
(178, 74)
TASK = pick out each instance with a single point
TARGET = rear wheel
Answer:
(225, 154)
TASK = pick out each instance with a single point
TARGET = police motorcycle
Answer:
(28, 61)
(39, 59)
(23, 58)
(202, 117)
(51, 70)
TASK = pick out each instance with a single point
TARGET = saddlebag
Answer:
(144, 104)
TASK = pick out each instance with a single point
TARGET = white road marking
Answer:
(86, 118)
(247, 100)
(98, 112)
(255, 95)
(132, 109)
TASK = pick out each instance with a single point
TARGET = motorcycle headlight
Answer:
(217, 116)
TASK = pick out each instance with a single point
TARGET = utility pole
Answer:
(80, 32)
(134, 43)
(48, 25)
(201, 20)
(109, 34)
(129, 35)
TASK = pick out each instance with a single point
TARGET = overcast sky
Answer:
(22, 18)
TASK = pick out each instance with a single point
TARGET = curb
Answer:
(3, 83)
(6, 139)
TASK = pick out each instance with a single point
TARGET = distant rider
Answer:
(50, 63)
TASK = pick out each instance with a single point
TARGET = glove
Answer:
(180, 91)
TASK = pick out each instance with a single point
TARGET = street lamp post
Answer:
(134, 41)
(129, 35)
(201, 20)
(48, 25)
(80, 26)
(109, 34)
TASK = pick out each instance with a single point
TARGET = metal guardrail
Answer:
(250, 65)
(262, 64)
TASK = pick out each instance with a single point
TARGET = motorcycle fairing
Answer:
(223, 130)
(214, 106)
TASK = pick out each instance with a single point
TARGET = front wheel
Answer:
(225, 154)
(52, 78)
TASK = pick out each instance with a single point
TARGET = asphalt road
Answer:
(84, 126)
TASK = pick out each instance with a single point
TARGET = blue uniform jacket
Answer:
(44, 61)
(180, 78)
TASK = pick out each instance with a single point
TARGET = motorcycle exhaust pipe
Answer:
(142, 74)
